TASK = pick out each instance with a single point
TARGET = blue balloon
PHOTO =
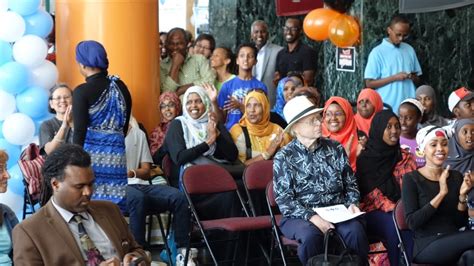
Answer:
(39, 23)
(14, 77)
(33, 102)
(1, 131)
(15, 183)
(24, 7)
(6, 54)
(13, 151)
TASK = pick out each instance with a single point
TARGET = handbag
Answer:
(345, 258)
(31, 163)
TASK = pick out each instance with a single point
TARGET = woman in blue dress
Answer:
(101, 112)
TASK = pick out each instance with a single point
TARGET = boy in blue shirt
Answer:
(231, 96)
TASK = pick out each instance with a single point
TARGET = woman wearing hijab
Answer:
(427, 96)
(170, 107)
(101, 112)
(8, 218)
(196, 136)
(339, 125)
(266, 138)
(435, 201)
(369, 103)
(461, 146)
(380, 167)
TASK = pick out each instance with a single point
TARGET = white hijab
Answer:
(195, 130)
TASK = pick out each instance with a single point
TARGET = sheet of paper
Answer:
(336, 213)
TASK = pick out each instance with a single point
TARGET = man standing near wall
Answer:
(264, 70)
(393, 68)
(296, 56)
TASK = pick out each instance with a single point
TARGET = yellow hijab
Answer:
(263, 127)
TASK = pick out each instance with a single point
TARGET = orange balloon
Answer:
(316, 22)
(344, 31)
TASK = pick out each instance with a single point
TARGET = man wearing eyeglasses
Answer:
(392, 67)
(296, 56)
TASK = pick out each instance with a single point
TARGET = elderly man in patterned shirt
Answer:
(310, 172)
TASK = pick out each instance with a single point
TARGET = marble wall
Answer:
(444, 41)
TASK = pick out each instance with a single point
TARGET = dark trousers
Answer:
(447, 249)
(311, 239)
(381, 224)
(145, 199)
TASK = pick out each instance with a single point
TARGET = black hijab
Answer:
(376, 163)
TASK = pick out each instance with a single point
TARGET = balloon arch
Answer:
(25, 79)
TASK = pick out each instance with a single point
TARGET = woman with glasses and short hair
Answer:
(59, 129)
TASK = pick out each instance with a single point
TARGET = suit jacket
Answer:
(268, 69)
(45, 238)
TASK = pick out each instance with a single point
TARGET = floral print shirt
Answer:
(305, 178)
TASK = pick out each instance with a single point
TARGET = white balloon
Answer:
(18, 129)
(45, 75)
(12, 26)
(7, 104)
(30, 50)
(14, 201)
(3, 5)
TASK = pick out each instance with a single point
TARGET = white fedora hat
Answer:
(297, 108)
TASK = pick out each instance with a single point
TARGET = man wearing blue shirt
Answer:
(392, 67)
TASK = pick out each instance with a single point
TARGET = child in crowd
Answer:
(231, 97)
(410, 113)
(223, 62)
(426, 95)
(369, 103)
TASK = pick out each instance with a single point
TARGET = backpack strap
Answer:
(248, 145)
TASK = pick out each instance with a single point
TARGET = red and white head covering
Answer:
(461, 94)
(426, 134)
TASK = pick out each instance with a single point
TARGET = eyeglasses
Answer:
(203, 47)
(169, 105)
(58, 99)
(336, 114)
(292, 29)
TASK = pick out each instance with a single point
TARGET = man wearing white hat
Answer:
(310, 172)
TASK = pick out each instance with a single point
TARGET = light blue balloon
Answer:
(6, 54)
(39, 23)
(15, 183)
(24, 7)
(14, 77)
(33, 102)
(1, 131)
(13, 151)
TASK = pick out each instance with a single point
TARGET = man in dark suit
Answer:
(264, 70)
(71, 229)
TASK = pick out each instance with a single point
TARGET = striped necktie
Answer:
(93, 254)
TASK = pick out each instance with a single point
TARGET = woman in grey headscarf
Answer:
(461, 146)
(427, 96)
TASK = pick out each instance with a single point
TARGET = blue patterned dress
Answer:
(105, 143)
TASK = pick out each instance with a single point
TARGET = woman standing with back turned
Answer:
(101, 112)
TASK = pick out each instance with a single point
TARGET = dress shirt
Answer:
(95, 232)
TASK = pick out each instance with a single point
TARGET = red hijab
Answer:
(349, 129)
(363, 124)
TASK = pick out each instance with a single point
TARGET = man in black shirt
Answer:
(296, 57)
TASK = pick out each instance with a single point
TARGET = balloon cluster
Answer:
(322, 23)
(25, 79)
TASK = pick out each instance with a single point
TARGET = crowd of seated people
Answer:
(364, 155)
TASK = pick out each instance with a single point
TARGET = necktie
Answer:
(93, 254)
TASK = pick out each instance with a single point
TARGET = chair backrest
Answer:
(271, 195)
(207, 179)
(399, 216)
(258, 174)
(166, 165)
